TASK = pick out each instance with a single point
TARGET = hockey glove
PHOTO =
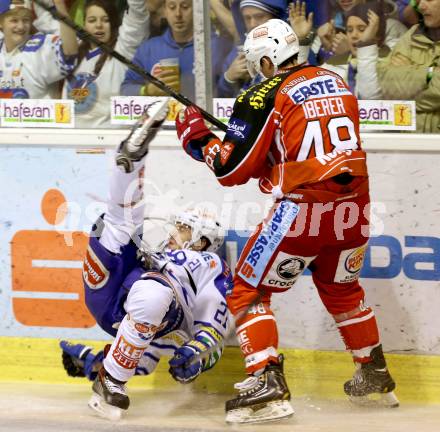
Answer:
(79, 361)
(192, 132)
(196, 356)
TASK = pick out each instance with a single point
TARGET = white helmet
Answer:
(274, 39)
(202, 224)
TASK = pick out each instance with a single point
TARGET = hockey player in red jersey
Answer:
(298, 133)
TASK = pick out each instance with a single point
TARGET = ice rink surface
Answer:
(63, 408)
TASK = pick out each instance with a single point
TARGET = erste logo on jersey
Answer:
(318, 87)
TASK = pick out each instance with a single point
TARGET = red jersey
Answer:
(297, 132)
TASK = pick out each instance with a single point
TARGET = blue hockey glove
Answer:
(197, 355)
(184, 366)
(79, 361)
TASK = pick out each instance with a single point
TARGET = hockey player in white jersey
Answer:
(153, 303)
(31, 63)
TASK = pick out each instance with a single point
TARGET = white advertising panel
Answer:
(44, 113)
(374, 114)
(41, 249)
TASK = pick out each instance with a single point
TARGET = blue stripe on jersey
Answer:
(271, 235)
(151, 356)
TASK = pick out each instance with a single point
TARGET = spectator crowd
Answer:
(383, 49)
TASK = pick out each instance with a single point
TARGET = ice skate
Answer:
(109, 396)
(261, 398)
(136, 145)
(372, 383)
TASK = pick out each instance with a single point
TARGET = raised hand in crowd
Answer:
(340, 45)
(237, 71)
(68, 36)
(301, 24)
(326, 34)
(224, 17)
(369, 36)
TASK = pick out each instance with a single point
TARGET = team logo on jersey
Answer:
(285, 270)
(350, 264)
(83, 90)
(126, 354)
(94, 272)
(321, 86)
(238, 129)
(290, 268)
(270, 237)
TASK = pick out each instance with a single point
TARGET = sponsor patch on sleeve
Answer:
(95, 273)
(350, 264)
(238, 129)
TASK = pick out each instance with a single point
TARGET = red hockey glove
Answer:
(191, 130)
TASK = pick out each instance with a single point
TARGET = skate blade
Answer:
(387, 400)
(103, 409)
(272, 411)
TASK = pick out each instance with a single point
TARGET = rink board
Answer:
(40, 256)
(309, 373)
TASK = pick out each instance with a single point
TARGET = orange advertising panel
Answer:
(46, 248)
(46, 265)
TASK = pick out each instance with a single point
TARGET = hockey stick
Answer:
(86, 36)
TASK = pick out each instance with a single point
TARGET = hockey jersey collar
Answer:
(93, 53)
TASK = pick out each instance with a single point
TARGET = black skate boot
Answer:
(109, 396)
(372, 383)
(136, 145)
(261, 398)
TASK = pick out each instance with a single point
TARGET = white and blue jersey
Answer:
(195, 286)
(31, 70)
